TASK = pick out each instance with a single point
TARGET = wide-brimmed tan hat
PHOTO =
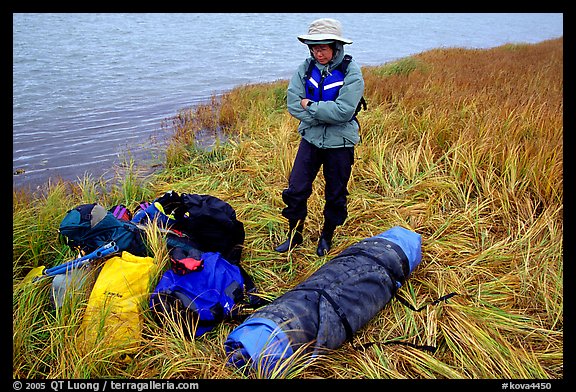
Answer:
(324, 30)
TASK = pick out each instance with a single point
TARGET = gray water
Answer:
(89, 87)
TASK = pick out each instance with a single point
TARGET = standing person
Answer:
(323, 94)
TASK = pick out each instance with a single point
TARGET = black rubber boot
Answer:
(294, 236)
(325, 240)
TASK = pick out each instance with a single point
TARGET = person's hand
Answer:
(304, 103)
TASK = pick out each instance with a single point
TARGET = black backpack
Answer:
(204, 222)
(212, 225)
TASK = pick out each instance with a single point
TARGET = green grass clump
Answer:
(463, 146)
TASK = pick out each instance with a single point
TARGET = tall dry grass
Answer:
(463, 146)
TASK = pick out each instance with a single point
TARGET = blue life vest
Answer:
(323, 87)
(327, 88)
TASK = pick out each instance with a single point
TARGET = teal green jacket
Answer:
(328, 124)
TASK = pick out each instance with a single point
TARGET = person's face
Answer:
(322, 53)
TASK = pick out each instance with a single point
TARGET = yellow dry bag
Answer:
(113, 317)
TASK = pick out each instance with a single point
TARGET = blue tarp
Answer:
(261, 341)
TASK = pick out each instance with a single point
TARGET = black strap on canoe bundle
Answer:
(431, 349)
(424, 347)
(435, 302)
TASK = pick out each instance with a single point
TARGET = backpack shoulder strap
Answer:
(343, 67)
(345, 63)
(311, 66)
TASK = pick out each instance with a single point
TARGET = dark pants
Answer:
(337, 167)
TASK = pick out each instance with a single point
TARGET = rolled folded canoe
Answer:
(331, 305)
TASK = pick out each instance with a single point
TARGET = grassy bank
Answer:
(463, 146)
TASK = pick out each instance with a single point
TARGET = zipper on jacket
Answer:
(321, 83)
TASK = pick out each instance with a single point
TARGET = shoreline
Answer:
(146, 155)
(148, 152)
